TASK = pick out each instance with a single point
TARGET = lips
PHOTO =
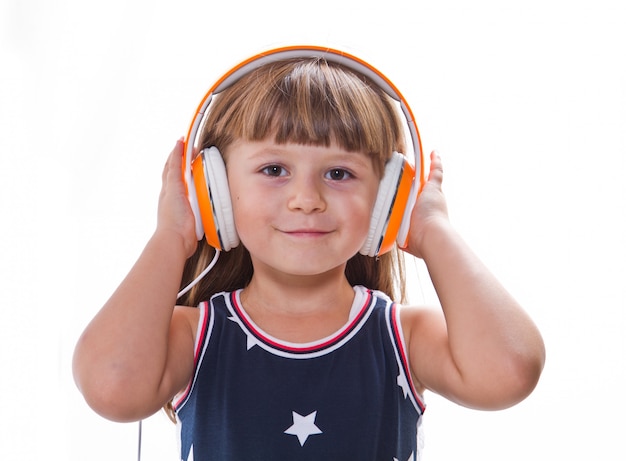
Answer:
(306, 232)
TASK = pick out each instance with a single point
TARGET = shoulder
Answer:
(425, 335)
(184, 328)
(187, 319)
(419, 319)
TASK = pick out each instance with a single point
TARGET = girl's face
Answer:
(300, 209)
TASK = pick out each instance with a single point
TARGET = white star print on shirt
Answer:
(251, 341)
(303, 427)
(404, 384)
(411, 458)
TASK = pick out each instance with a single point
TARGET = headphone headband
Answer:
(305, 51)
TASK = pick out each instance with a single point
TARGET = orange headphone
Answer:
(207, 184)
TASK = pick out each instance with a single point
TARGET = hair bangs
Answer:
(307, 102)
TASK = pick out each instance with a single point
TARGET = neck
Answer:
(298, 308)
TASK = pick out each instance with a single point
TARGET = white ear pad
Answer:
(403, 230)
(215, 172)
(382, 207)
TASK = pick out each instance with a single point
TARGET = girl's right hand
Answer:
(174, 212)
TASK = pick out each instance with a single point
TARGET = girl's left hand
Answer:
(430, 207)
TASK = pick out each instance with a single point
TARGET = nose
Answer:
(306, 195)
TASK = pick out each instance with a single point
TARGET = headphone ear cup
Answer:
(215, 206)
(389, 208)
(193, 202)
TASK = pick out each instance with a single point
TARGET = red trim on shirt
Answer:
(405, 362)
(300, 349)
(201, 334)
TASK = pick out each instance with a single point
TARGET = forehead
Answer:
(268, 148)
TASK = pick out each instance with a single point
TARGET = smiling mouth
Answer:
(310, 233)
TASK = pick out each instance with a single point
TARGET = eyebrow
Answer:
(356, 157)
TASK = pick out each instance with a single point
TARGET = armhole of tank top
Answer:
(202, 331)
(396, 324)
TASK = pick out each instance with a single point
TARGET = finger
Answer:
(177, 156)
(436, 168)
(174, 160)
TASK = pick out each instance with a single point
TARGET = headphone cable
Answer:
(201, 276)
(139, 442)
(193, 283)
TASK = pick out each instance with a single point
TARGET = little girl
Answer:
(297, 345)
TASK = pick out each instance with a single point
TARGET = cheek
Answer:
(250, 213)
(357, 213)
(368, 207)
(240, 197)
(365, 205)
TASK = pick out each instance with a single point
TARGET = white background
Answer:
(525, 101)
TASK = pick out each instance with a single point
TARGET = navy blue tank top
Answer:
(346, 397)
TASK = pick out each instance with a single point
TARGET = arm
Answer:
(138, 350)
(484, 351)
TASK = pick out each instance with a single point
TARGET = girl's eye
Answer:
(274, 170)
(338, 174)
